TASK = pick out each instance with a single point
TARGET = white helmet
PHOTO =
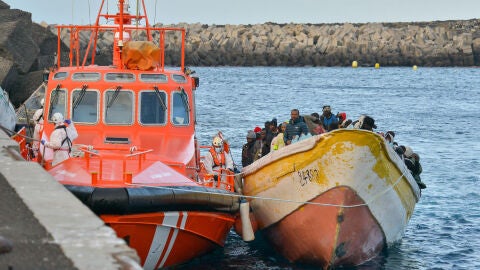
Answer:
(217, 141)
(57, 118)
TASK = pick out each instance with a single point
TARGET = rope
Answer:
(12, 133)
(240, 196)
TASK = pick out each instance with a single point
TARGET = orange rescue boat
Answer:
(136, 162)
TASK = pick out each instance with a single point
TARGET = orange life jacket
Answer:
(215, 157)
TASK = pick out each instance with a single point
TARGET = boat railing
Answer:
(109, 153)
(75, 36)
(225, 180)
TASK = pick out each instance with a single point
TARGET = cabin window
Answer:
(58, 103)
(119, 77)
(85, 76)
(158, 78)
(60, 75)
(153, 107)
(118, 107)
(181, 108)
(179, 78)
(85, 106)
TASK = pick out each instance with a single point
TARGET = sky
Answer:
(258, 11)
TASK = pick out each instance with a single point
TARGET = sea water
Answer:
(435, 111)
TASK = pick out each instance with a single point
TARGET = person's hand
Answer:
(42, 142)
(67, 121)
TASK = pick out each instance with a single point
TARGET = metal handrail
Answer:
(127, 177)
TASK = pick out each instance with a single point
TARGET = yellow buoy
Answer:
(354, 64)
(414, 67)
(377, 65)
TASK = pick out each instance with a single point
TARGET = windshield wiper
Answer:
(114, 97)
(112, 100)
(185, 99)
(54, 100)
(157, 93)
(79, 98)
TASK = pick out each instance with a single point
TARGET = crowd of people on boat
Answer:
(274, 136)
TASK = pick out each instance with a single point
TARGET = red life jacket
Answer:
(215, 158)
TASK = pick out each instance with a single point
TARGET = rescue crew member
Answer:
(38, 120)
(217, 158)
(61, 138)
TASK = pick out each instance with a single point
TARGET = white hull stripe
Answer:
(160, 239)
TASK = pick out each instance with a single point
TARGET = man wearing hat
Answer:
(248, 149)
(368, 123)
(328, 119)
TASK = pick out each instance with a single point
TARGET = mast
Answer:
(121, 25)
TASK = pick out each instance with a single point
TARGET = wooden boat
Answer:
(336, 199)
(136, 162)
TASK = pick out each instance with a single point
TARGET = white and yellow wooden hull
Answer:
(334, 199)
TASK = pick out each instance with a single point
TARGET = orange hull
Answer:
(328, 236)
(161, 238)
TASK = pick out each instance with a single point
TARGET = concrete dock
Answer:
(47, 226)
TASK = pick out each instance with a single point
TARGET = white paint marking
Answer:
(160, 239)
(174, 237)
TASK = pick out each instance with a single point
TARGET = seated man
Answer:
(328, 119)
(296, 127)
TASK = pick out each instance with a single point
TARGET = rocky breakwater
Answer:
(26, 48)
(449, 43)
(440, 43)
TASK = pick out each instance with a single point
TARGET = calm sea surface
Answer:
(436, 111)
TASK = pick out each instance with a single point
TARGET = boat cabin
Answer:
(134, 103)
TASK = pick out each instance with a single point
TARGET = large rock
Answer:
(18, 50)
(26, 49)
(16, 40)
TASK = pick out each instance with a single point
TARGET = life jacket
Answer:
(67, 139)
(215, 157)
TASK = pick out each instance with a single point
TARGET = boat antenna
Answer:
(73, 8)
(89, 14)
(138, 13)
(155, 16)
